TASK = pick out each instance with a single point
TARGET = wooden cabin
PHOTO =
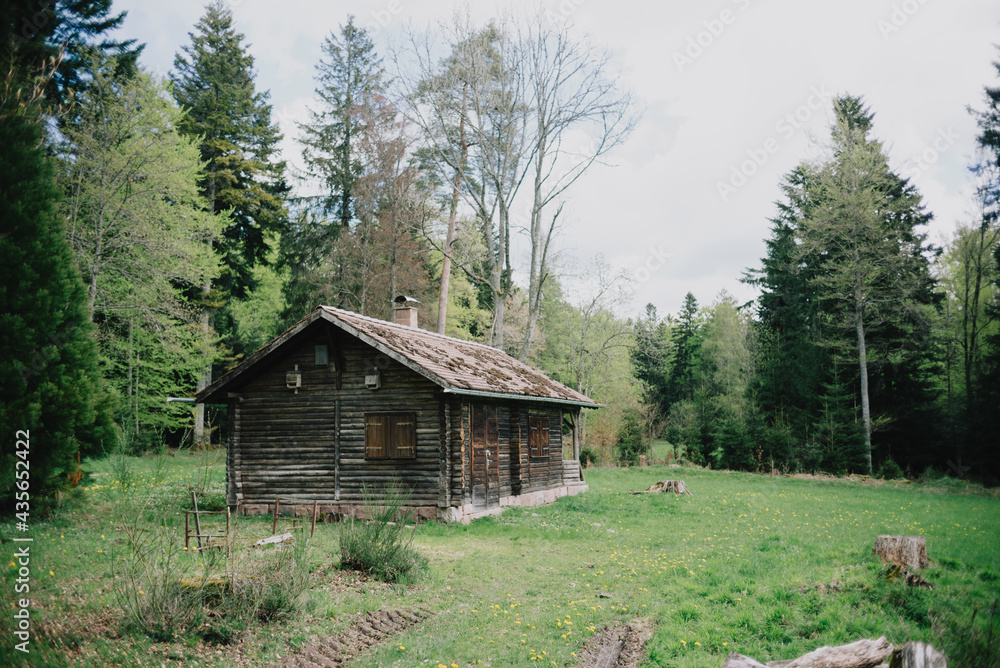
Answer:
(342, 401)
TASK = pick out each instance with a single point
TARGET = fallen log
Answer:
(859, 654)
(907, 551)
(274, 540)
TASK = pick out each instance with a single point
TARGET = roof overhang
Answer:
(521, 397)
(218, 392)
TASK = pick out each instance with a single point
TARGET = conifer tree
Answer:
(214, 82)
(349, 78)
(50, 384)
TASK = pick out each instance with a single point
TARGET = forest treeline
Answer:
(153, 238)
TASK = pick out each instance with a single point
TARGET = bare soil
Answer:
(371, 629)
(618, 646)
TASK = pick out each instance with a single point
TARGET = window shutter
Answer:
(404, 435)
(538, 436)
(376, 436)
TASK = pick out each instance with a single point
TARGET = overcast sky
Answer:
(734, 94)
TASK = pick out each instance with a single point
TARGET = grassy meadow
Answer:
(771, 567)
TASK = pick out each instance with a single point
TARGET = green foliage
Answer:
(142, 237)
(50, 383)
(631, 438)
(889, 470)
(381, 543)
(213, 81)
(38, 33)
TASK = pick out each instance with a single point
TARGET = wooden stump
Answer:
(907, 551)
(675, 486)
(917, 655)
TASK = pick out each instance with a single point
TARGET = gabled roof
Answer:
(459, 367)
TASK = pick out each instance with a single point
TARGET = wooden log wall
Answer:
(285, 443)
(517, 472)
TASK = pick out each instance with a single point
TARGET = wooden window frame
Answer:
(396, 444)
(538, 426)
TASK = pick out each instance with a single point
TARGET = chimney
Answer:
(405, 310)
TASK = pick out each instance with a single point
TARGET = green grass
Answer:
(769, 567)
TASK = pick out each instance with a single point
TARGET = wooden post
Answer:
(312, 531)
(197, 522)
(187, 530)
(274, 522)
(229, 543)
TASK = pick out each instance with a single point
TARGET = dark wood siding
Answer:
(284, 443)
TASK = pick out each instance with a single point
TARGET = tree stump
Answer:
(907, 551)
(917, 655)
(675, 486)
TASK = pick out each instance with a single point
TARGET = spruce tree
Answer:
(50, 383)
(66, 35)
(213, 81)
(350, 78)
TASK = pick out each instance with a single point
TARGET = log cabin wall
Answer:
(542, 472)
(285, 444)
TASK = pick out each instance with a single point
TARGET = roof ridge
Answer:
(409, 329)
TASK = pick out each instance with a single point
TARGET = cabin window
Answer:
(390, 435)
(322, 355)
(538, 436)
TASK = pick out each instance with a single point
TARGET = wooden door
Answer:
(485, 455)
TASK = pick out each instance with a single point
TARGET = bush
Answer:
(630, 438)
(165, 591)
(587, 456)
(889, 470)
(381, 544)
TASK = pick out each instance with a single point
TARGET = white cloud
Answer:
(756, 64)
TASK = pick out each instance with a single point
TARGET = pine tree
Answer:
(50, 383)
(686, 344)
(67, 35)
(872, 274)
(349, 78)
(213, 81)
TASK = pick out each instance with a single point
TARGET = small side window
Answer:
(322, 355)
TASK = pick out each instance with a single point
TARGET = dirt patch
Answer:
(368, 631)
(619, 646)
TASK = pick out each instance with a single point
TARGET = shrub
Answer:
(630, 437)
(889, 470)
(587, 456)
(165, 591)
(381, 544)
